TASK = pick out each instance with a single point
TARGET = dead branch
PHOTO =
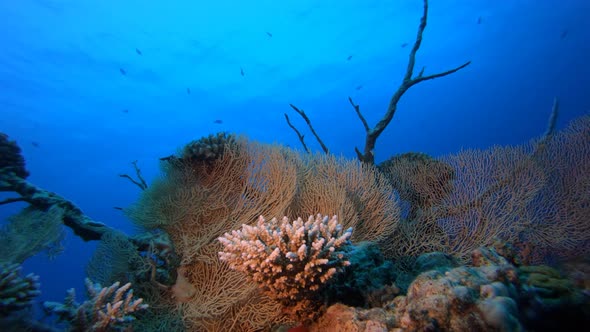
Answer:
(140, 182)
(299, 135)
(368, 154)
(304, 116)
(357, 108)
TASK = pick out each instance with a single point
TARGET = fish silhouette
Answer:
(269, 34)
(125, 111)
(188, 90)
(241, 71)
(123, 72)
(564, 34)
(138, 51)
(218, 121)
(349, 57)
(404, 45)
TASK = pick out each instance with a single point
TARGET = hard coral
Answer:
(16, 292)
(107, 309)
(290, 261)
(208, 149)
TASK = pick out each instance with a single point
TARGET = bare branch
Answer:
(552, 120)
(417, 43)
(421, 78)
(549, 131)
(357, 108)
(139, 176)
(132, 180)
(368, 154)
(304, 116)
(301, 137)
(140, 182)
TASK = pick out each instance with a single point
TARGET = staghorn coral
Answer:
(16, 292)
(290, 261)
(107, 309)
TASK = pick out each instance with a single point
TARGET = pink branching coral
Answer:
(107, 309)
(289, 260)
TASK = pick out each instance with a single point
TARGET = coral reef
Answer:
(11, 159)
(367, 281)
(209, 148)
(195, 205)
(16, 292)
(491, 294)
(479, 298)
(342, 318)
(31, 231)
(553, 300)
(533, 195)
(290, 261)
(557, 223)
(419, 179)
(107, 308)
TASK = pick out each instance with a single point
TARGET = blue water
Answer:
(62, 85)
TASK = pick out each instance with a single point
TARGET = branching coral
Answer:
(16, 292)
(289, 260)
(107, 309)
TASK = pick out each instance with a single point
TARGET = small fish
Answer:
(218, 121)
(269, 34)
(241, 71)
(188, 90)
(479, 20)
(404, 45)
(35, 144)
(123, 72)
(118, 208)
(138, 51)
(349, 57)
(125, 111)
(359, 87)
(564, 34)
